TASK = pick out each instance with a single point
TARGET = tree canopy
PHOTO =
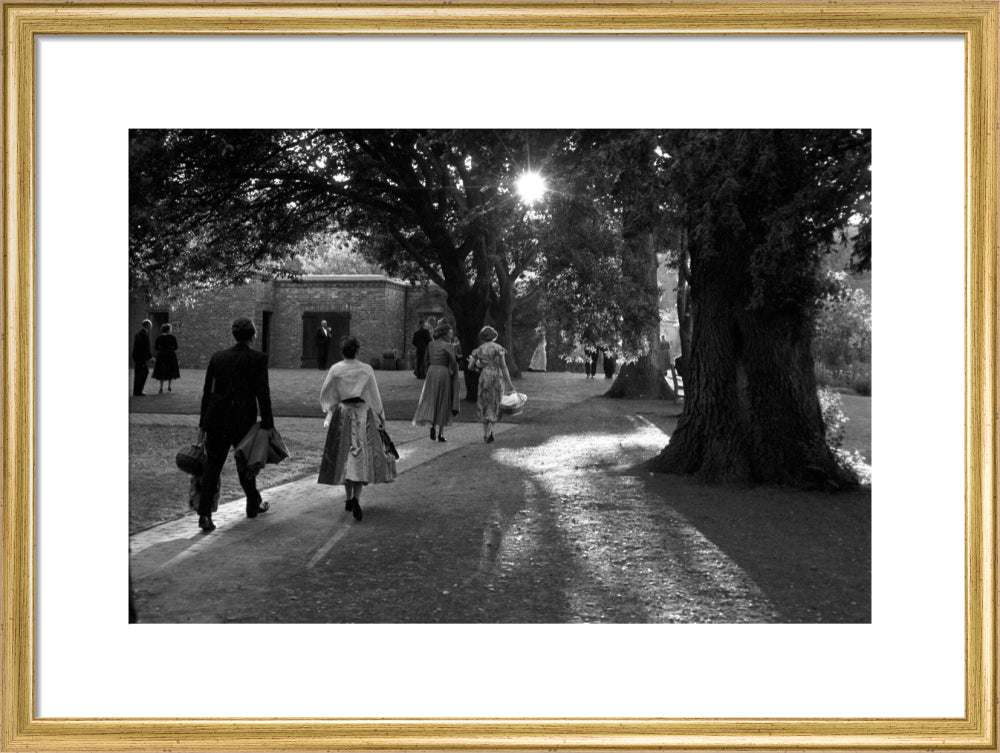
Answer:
(745, 215)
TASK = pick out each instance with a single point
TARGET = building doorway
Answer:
(339, 324)
(265, 331)
(158, 318)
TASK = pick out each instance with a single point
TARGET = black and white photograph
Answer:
(540, 376)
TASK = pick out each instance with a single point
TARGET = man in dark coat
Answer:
(141, 353)
(235, 385)
(322, 345)
(421, 339)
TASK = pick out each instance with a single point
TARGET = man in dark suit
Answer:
(235, 385)
(141, 353)
(322, 344)
(421, 339)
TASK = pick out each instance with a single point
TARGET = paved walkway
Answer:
(549, 524)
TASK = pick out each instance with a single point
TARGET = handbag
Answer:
(192, 459)
(512, 404)
(387, 443)
(151, 363)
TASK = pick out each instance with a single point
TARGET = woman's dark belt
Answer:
(352, 400)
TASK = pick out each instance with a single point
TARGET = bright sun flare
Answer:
(531, 187)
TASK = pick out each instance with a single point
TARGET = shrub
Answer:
(842, 342)
(831, 404)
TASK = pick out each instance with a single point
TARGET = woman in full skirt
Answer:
(439, 398)
(354, 454)
(166, 368)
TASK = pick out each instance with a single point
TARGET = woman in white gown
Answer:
(538, 359)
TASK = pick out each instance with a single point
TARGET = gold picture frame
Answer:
(976, 22)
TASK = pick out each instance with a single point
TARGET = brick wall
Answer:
(382, 315)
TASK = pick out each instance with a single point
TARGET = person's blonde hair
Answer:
(487, 334)
(442, 329)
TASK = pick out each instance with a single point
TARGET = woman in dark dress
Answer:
(166, 368)
(438, 403)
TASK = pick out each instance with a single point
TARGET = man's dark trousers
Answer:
(141, 374)
(217, 446)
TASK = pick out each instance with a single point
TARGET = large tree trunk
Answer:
(642, 378)
(751, 414)
(684, 321)
(470, 311)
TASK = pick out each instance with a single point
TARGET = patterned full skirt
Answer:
(490, 393)
(354, 449)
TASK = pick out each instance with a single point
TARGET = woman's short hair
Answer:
(243, 330)
(442, 329)
(165, 328)
(487, 334)
(349, 346)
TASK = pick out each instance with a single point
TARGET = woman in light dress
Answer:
(539, 361)
(494, 379)
(354, 454)
(439, 398)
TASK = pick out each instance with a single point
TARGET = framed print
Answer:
(564, 612)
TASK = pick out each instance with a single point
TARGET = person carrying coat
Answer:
(236, 385)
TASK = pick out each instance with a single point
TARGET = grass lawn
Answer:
(158, 489)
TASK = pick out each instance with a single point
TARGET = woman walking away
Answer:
(166, 368)
(354, 454)
(494, 379)
(439, 398)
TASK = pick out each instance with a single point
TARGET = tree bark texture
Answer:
(751, 414)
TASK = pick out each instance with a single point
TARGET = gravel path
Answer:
(549, 524)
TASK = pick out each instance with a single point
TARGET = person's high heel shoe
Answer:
(433, 433)
(356, 509)
(441, 438)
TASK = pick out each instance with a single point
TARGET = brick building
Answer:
(380, 311)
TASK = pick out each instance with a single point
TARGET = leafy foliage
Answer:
(843, 323)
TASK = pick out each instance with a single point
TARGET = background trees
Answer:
(745, 216)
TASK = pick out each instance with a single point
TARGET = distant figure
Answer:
(539, 360)
(166, 368)
(141, 353)
(236, 385)
(421, 339)
(354, 454)
(494, 379)
(590, 354)
(439, 399)
(431, 324)
(609, 363)
(667, 364)
(322, 340)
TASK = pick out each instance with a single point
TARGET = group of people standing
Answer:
(165, 364)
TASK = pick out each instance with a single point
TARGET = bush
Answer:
(834, 419)
(842, 343)
(831, 404)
